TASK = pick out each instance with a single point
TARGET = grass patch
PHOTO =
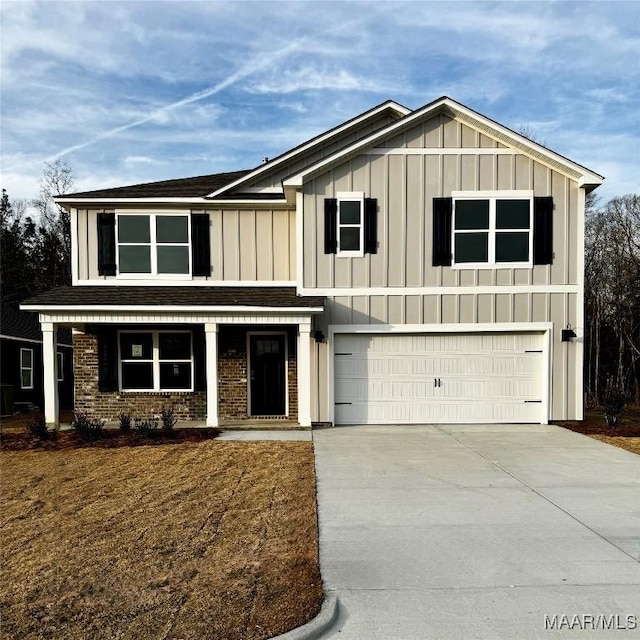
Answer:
(202, 540)
(626, 435)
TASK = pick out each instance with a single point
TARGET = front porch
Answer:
(216, 365)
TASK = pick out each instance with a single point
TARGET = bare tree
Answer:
(612, 296)
(54, 257)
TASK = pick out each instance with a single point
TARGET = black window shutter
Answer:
(442, 214)
(107, 358)
(370, 225)
(199, 355)
(543, 230)
(330, 225)
(200, 245)
(107, 244)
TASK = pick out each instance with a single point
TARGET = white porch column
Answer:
(211, 334)
(50, 365)
(304, 375)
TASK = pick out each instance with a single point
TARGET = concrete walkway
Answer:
(468, 532)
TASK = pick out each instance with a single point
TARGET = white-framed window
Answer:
(26, 368)
(350, 221)
(60, 365)
(150, 244)
(492, 229)
(155, 360)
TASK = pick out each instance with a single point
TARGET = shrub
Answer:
(125, 422)
(87, 429)
(37, 427)
(146, 428)
(613, 403)
(168, 419)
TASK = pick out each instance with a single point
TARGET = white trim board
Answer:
(425, 291)
(144, 309)
(441, 151)
(463, 327)
(212, 204)
(89, 317)
(114, 281)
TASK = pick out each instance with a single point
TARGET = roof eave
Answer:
(401, 110)
(584, 176)
(147, 309)
(169, 200)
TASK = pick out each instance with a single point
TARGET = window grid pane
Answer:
(350, 239)
(172, 229)
(134, 229)
(512, 247)
(512, 214)
(134, 258)
(472, 247)
(472, 214)
(173, 259)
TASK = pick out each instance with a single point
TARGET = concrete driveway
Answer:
(472, 531)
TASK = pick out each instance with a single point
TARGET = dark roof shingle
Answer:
(198, 186)
(87, 296)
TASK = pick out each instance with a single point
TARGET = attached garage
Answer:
(441, 378)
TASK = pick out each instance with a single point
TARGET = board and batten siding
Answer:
(246, 244)
(405, 184)
(404, 181)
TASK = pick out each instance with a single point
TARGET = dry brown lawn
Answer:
(626, 436)
(196, 540)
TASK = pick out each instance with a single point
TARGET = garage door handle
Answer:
(437, 382)
(337, 403)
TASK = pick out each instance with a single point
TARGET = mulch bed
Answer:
(626, 435)
(111, 438)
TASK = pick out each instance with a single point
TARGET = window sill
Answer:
(493, 265)
(156, 391)
(350, 254)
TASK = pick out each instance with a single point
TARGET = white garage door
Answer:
(438, 378)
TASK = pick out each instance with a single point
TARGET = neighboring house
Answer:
(21, 363)
(405, 266)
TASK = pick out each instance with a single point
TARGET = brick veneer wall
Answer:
(232, 383)
(107, 405)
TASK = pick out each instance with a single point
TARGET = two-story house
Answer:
(403, 267)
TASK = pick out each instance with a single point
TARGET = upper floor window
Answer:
(350, 225)
(492, 230)
(172, 244)
(350, 221)
(153, 243)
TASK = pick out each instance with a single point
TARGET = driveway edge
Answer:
(316, 627)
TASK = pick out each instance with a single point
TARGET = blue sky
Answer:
(132, 92)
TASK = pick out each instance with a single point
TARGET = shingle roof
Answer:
(197, 186)
(19, 324)
(87, 296)
(25, 324)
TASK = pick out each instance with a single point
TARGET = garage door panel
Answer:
(482, 378)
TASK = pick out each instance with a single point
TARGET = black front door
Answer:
(267, 362)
